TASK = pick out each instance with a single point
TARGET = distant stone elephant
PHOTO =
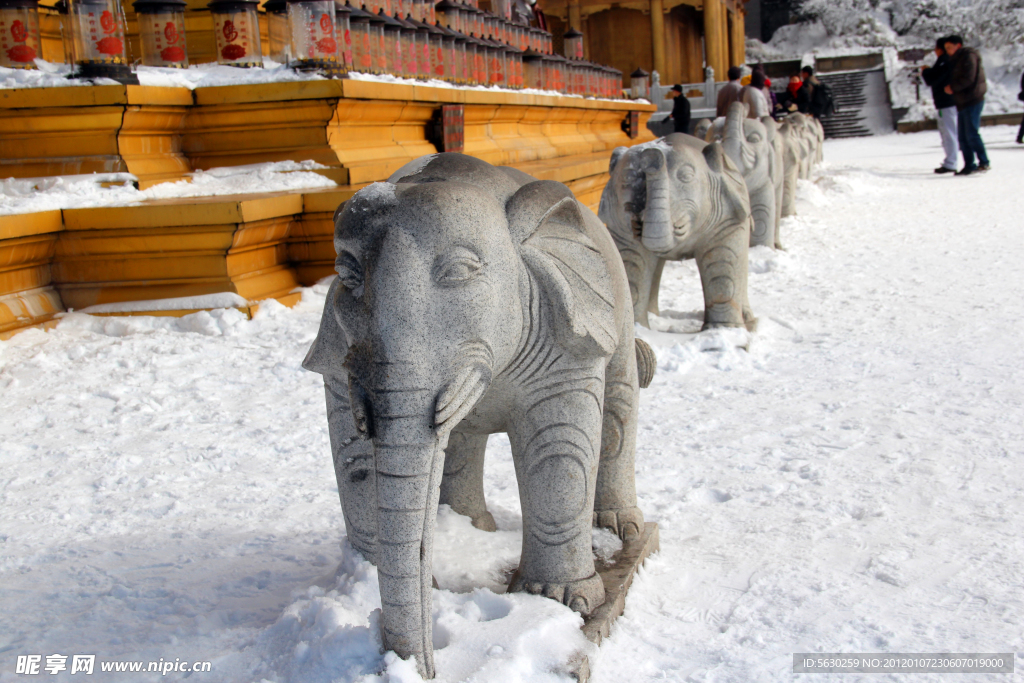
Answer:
(789, 137)
(470, 300)
(750, 144)
(678, 198)
(809, 136)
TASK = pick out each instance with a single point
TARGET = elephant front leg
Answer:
(789, 190)
(643, 272)
(762, 210)
(615, 502)
(556, 438)
(462, 485)
(354, 470)
(723, 275)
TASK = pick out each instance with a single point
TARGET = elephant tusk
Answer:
(459, 397)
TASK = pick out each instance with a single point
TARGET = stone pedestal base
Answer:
(617, 577)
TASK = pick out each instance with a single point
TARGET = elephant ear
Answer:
(616, 155)
(546, 220)
(330, 347)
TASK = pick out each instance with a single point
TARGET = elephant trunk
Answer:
(734, 136)
(409, 463)
(657, 230)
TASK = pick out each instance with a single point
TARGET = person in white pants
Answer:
(937, 77)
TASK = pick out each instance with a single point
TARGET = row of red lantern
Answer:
(321, 35)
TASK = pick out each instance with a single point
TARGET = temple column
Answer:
(741, 37)
(714, 51)
(574, 15)
(723, 26)
(658, 36)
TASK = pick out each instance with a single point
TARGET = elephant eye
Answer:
(686, 173)
(349, 271)
(754, 138)
(457, 268)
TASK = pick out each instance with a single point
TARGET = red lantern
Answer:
(99, 40)
(314, 40)
(162, 32)
(573, 44)
(236, 32)
(19, 34)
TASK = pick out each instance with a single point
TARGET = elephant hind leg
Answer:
(462, 485)
(615, 500)
(643, 272)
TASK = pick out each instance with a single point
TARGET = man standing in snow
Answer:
(680, 109)
(1020, 96)
(730, 92)
(967, 85)
(810, 97)
(937, 77)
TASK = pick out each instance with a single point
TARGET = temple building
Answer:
(678, 38)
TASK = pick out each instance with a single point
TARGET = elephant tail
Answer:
(646, 362)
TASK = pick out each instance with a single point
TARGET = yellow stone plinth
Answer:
(27, 245)
(177, 247)
(94, 129)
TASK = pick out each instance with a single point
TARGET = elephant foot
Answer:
(627, 523)
(583, 595)
(749, 321)
(485, 522)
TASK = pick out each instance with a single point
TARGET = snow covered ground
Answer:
(851, 483)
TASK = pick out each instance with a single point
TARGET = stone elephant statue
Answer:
(808, 142)
(750, 144)
(677, 198)
(470, 300)
(791, 159)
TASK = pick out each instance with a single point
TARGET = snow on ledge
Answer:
(50, 75)
(30, 195)
(182, 303)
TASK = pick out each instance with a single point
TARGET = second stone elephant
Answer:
(470, 300)
(679, 198)
(750, 144)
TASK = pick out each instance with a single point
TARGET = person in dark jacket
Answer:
(1020, 96)
(937, 76)
(806, 102)
(968, 86)
(680, 109)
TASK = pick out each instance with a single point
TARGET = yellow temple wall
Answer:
(258, 246)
